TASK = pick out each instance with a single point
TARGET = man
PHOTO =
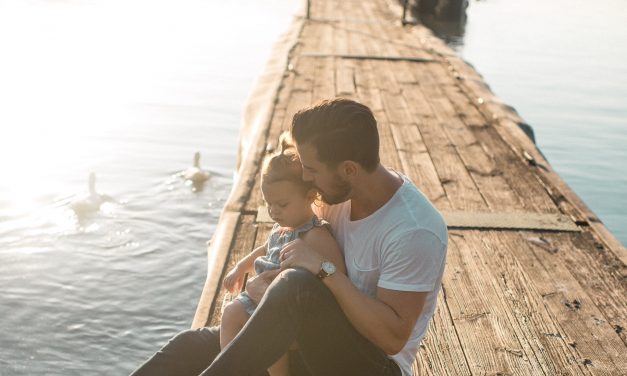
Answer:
(369, 322)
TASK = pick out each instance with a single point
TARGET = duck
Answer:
(195, 173)
(90, 202)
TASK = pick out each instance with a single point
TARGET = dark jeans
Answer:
(297, 307)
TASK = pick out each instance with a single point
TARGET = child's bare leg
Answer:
(234, 318)
(281, 367)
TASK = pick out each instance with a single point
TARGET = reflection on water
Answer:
(129, 90)
(562, 65)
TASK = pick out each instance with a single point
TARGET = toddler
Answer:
(289, 201)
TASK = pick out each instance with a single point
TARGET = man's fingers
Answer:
(285, 255)
(286, 248)
(270, 274)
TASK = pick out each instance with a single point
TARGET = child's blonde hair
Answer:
(284, 165)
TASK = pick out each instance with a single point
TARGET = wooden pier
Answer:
(534, 283)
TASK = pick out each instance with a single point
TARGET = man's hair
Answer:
(340, 130)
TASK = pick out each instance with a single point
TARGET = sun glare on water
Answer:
(70, 75)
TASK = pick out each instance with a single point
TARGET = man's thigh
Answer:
(328, 343)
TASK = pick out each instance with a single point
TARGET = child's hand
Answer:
(234, 280)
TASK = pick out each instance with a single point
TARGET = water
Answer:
(561, 64)
(128, 90)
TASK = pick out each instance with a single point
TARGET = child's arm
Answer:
(320, 239)
(235, 278)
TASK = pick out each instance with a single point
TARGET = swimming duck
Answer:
(90, 202)
(195, 173)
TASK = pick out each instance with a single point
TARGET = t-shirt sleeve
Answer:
(414, 262)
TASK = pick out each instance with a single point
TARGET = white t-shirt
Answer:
(402, 246)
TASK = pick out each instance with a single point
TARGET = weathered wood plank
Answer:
(515, 174)
(242, 244)
(598, 346)
(345, 78)
(441, 352)
(598, 271)
(324, 79)
(541, 330)
(484, 325)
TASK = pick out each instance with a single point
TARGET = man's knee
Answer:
(297, 278)
(293, 286)
(202, 338)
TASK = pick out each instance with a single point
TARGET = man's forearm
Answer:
(371, 317)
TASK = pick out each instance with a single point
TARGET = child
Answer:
(289, 201)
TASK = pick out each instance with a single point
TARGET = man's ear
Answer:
(349, 169)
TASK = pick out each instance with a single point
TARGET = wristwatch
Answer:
(326, 269)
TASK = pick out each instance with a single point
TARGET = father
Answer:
(369, 322)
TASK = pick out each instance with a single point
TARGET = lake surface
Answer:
(131, 89)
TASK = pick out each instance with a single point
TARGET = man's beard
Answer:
(341, 190)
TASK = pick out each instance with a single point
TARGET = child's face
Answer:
(287, 204)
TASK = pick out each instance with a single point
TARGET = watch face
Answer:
(328, 267)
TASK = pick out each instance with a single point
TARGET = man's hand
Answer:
(297, 254)
(257, 286)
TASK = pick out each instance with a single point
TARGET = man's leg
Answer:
(187, 354)
(297, 306)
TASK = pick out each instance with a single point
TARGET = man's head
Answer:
(334, 138)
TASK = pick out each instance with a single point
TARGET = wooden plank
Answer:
(242, 244)
(344, 78)
(367, 88)
(599, 272)
(371, 96)
(324, 79)
(255, 198)
(537, 327)
(383, 77)
(217, 254)
(514, 175)
(418, 103)
(301, 92)
(599, 347)
(509, 220)
(458, 184)
(389, 155)
(441, 352)
(363, 56)
(484, 325)
(482, 168)
(417, 164)
(396, 108)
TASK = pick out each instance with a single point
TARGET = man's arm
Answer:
(386, 320)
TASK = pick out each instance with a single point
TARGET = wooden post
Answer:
(404, 12)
